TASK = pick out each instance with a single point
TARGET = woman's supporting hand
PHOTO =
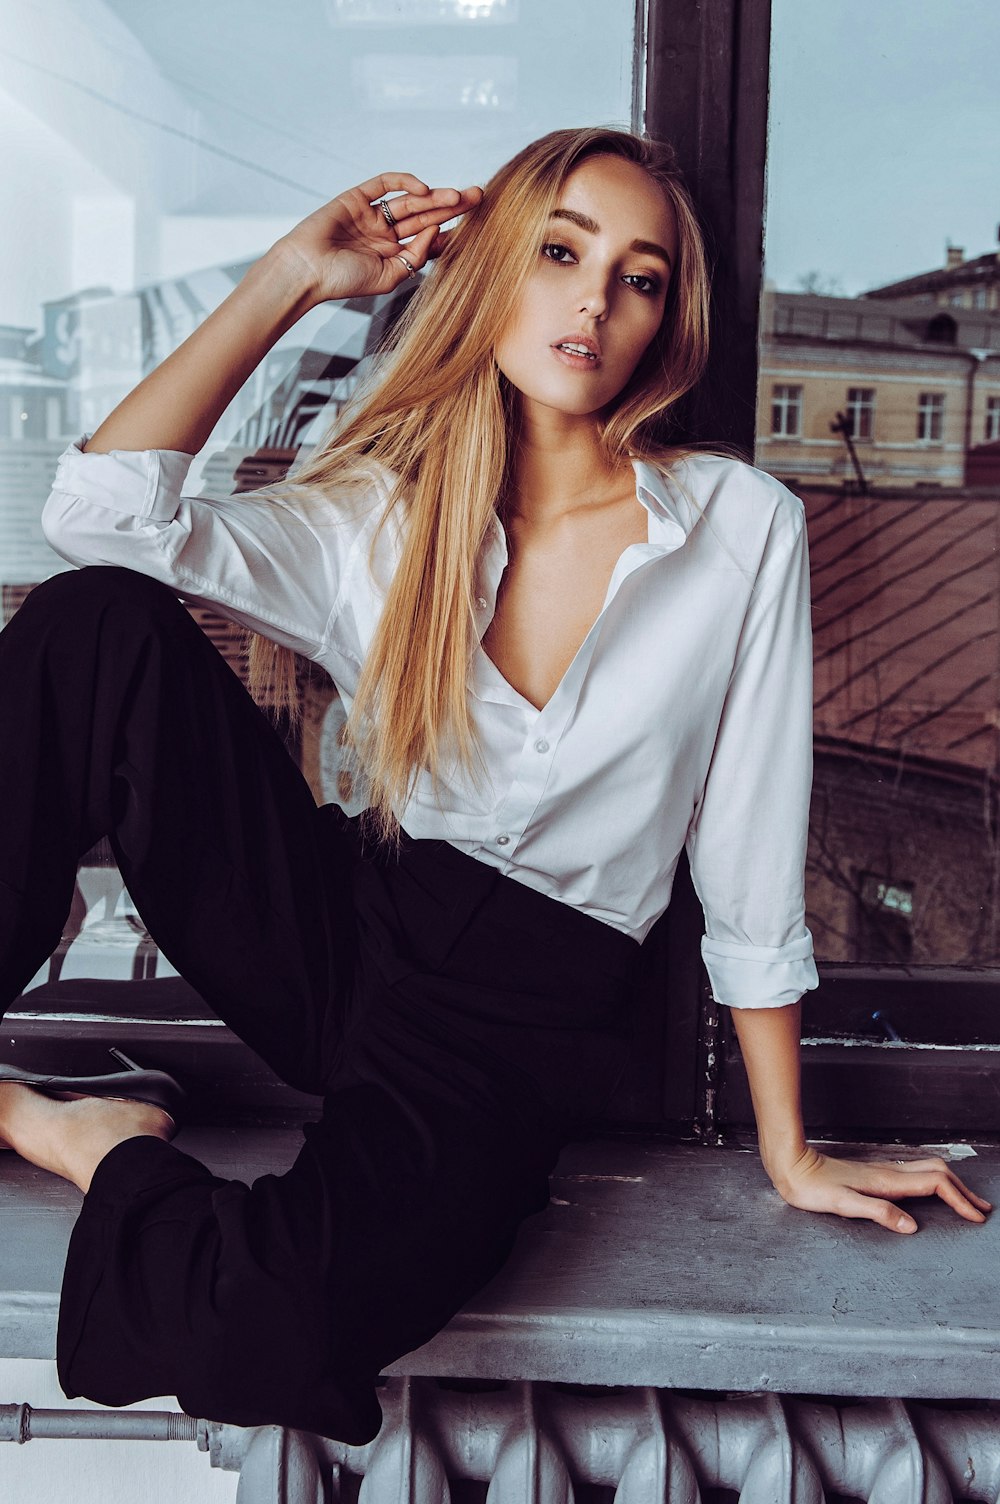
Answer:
(347, 248)
(815, 1182)
(769, 1040)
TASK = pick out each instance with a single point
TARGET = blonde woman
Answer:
(568, 650)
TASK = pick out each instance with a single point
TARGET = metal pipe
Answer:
(22, 1423)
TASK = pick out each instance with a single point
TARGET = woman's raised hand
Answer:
(345, 249)
(348, 249)
(852, 1188)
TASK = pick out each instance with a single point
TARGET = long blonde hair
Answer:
(441, 419)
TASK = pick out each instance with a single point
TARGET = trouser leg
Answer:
(119, 718)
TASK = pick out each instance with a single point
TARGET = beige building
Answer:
(909, 386)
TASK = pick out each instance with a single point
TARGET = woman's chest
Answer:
(552, 592)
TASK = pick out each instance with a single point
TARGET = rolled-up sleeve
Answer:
(263, 562)
(747, 844)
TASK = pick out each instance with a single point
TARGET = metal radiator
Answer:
(525, 1443)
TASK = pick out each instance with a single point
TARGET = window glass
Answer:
(161, 150)
(786, 410)
(883, 309)
(992, 431)
(930, 417)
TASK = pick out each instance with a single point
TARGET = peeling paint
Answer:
(623, 1179)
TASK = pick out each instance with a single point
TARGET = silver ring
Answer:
(387, 212)
(411, 270)
(901, 1161)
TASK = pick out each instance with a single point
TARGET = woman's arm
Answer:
(120, 500)
(178, 404)
(805, 1178)
(344, 249)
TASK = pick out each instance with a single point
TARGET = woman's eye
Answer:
(555, 252)
(650, 285)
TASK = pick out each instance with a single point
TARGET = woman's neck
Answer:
(559, 466)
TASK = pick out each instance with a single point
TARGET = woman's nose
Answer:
(595, 299)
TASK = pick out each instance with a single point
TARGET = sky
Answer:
(884, 137)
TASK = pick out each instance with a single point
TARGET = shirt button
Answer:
(541, 745)
(503, 840)
(481, 602)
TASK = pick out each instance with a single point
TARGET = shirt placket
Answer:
(547, 727)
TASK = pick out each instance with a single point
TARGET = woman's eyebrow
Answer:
(586, 223)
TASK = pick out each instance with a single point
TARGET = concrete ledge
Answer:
(655, 1264)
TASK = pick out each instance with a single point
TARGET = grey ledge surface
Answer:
(655, 1263)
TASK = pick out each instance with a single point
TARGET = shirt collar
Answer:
(670, 514)
(670, 519)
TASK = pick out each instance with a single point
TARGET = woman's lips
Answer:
(575, 359)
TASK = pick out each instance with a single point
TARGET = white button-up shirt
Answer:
(684, 719)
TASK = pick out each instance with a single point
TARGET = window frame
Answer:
(860, 411)
(786, 405)
(991, 420)
(931, 408)
(686, 1075)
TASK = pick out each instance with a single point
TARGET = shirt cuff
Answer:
(760, 976)
(141, 483)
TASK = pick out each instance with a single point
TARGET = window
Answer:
(132, 230)
(901, 886)
(930, 417)
(883, 918)
(942, 329)
(786, 411)
(992, 420)
(861, 411)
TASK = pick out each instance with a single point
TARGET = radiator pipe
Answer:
(22, 1423)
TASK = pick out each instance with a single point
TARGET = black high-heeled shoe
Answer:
(134, 1084)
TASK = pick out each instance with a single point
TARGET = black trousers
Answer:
(457, 1024)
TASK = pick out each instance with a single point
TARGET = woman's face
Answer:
(596, 297)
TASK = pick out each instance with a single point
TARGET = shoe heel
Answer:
(123, 1059)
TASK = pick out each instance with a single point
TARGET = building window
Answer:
(884, 918)
(861, 411)
(786, 411)
(930, 417)
(992, 419)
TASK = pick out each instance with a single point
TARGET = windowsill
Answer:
(722, 1286)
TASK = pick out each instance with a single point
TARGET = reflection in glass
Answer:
(419, 12)
(879, 410)
(406, 81)
(156, 160)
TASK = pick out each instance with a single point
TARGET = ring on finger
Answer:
(411, 270)
(387, 213)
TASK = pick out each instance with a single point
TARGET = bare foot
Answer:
(70, 1138)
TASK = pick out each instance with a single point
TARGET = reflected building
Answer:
(876, 390)
(883, 413)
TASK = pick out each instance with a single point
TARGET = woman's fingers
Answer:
(852, 1189)
(391, 182)
(413, 213)
(940, 1164)
(934, 1178)
(872, 1209)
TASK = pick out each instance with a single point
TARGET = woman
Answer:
(568, 650)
